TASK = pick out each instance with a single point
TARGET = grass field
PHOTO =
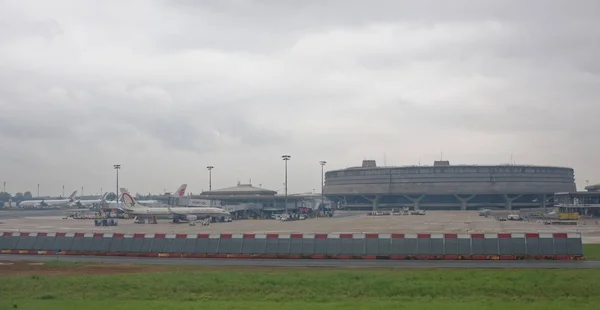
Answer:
(237, 288)
(591, 251)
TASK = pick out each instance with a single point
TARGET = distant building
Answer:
(246, 197)
(593, 188)
(446, 187)
(584, 203)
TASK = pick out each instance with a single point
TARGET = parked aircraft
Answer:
(48, 203)
(133, 208)
(88, 203)
(180, 192)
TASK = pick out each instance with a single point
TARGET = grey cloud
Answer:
(328, 79)
(32, 129)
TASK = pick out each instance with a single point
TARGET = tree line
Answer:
(18, 197)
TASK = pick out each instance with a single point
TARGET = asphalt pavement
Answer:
(313, 262)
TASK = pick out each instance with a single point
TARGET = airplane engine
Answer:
(191, 218)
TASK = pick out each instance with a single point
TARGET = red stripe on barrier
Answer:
(397, 257)
(203, 236)
(477, 236)
(369, 257)
(32, 252)
(7, 234)
(504, 236)
(559, 236)
(451, 257)
(318, 256)
(197, 255)
(175, 254)
(61, 234)
(535, 257)
(138, 235)
(397, 236)
(249, 236)
(216, 255)
(345, 236)
(79, 235)
(423, 236)
(450, 236)
(181, 236)
(118, 235)
(297, 236)
(342, 256)
(244, 256)
(42, 234)
(320, 236)
(294, 256)
(159, 236)
(98, 235)
(478, 257)
(563, 257)
(266, 256)
(532, 235)
(226, 236)
(508, 257)
(24, 234)
(272, 236)
(372, 236)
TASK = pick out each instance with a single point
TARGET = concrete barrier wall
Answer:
(557, 246)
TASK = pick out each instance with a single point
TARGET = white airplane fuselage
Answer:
(52, 203)
(174, 212)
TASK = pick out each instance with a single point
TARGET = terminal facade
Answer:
(584, 203)
(446, 187)
(246, 200)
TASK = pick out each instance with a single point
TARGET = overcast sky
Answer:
(165, 88)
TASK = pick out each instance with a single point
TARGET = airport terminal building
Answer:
(249, 201)
(446, 187)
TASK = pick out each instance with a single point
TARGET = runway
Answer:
(314, 263)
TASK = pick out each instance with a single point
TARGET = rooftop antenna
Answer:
(441, 154)
(250, 181)
(511, 159)
(419, 161)
(384, 159)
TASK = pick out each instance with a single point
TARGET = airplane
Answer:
(180, 192)
(48, 203)
(87, 203)
(133, 208)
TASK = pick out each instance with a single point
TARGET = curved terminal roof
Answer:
(593, 188)
(372, 164)
(241, 189)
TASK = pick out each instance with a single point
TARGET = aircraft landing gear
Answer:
(139, 220)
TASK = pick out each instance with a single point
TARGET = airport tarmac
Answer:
(314, 262)
(343, 222)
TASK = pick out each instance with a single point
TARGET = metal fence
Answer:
(557, 246)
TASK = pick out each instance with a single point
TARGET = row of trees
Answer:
(17, 197)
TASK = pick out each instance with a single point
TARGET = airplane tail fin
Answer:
(103, 198)
(72, 197)
(181, 190)
(129, 201)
